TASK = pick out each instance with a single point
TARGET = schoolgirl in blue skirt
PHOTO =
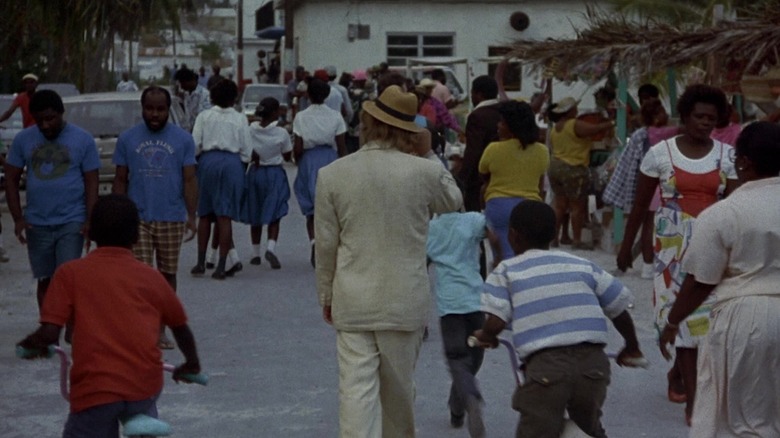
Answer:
(268, 191)
(319, 141)
(222, 142)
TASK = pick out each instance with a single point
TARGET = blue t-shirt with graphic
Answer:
(155, 161)
(55, 173)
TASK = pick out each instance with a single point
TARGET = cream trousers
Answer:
(376, 383)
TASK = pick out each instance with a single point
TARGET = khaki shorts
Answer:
(572, 182)
(164, 240)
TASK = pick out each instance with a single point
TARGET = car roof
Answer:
(106, 96)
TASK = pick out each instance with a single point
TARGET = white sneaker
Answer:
(647, 270)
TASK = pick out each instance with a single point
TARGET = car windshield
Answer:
(104, 118)
(256, 94)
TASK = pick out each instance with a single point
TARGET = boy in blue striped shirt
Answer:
(555, 305)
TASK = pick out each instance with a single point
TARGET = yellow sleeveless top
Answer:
(569, 148)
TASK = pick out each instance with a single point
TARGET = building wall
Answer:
(321, 30)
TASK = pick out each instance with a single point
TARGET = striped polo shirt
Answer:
(553, 299)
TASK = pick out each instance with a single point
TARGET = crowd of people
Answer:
(381, 195)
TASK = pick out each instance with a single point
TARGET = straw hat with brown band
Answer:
(395, 108)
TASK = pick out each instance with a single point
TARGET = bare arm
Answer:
(488, 334)
(584, 129)
(297, 149)
(645, 190)
(190, 198)
(625, 326)
(341, 147)
(186, 342)
(13, 176)
(121, 177)
(692, 294)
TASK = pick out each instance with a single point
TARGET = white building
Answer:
(358, 34)
(257, 15)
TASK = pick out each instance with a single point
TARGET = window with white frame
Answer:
(401, 46)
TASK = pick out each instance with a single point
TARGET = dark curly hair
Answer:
(114, 221)
(760, 143)
(224, 93)
(703, 94)
(46, 99)
(535, 221)
(154, 89)
(520, 119)
(318, 91)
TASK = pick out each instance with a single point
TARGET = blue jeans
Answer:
(102, 421)
(49, 246)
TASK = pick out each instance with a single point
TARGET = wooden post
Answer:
(618, 224)
(671, 78)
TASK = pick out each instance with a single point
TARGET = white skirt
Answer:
(738, 387)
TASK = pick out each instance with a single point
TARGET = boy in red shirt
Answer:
(118, 305)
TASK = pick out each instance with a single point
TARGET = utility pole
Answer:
(240, 45)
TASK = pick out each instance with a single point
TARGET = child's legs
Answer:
(273, 230)
(256, 232)
(463, 361)
(225, 226)
(102, 421)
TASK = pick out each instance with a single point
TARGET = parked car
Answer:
(64, 89)
(254, 93)
(105, 116)
(12, 126)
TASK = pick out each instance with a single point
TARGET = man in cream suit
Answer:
(371, 224)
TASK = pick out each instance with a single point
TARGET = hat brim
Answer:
(371, 108)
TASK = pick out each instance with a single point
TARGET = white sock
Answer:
(233, 255)
(271, 245)
(311, 242)
(256, 250)
(211, 255)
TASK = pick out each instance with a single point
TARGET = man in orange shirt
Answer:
(117, 304)
(22, 100)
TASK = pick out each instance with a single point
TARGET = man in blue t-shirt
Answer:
(62, 165)
(155, 167)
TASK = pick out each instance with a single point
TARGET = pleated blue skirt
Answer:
(220, 184)
(268, 193)
(306, 181)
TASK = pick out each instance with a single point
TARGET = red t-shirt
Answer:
(23, 101)
(118, 304)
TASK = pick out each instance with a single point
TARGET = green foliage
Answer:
(210, 53)
(70, 41)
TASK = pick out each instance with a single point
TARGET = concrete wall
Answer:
(321, 30)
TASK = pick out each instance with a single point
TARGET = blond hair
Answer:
(373, 129)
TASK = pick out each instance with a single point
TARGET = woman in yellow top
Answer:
(569, 175)
(512, 169)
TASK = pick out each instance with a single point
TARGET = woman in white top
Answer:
(319, 140)
(693, 172)
(222, 143)
(268, 189)
(733, 258)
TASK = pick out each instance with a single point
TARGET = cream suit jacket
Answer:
(371, 224)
